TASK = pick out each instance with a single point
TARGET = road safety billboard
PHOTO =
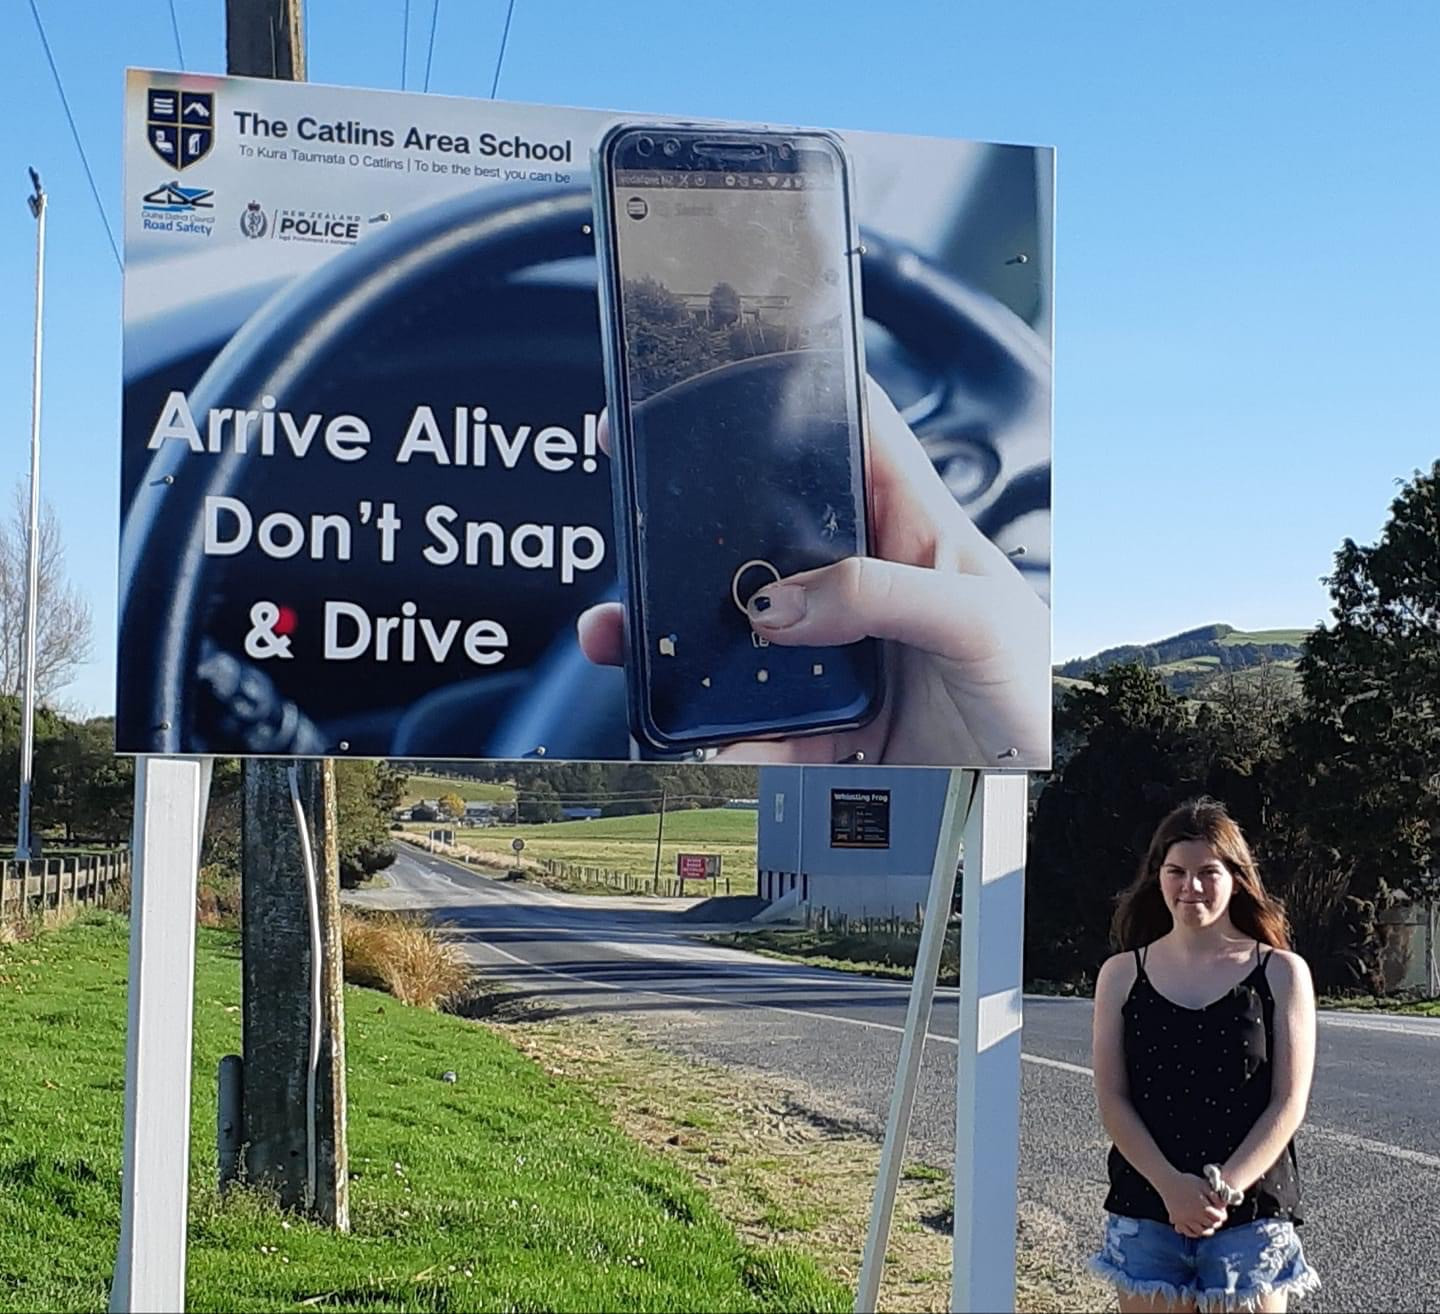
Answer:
(465, 429)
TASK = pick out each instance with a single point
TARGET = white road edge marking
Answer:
(1346, 1139)
(1041, 1061)
(1376, 1147)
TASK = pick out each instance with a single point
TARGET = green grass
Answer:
(509, 1189)
(923, 1172)
(1234, 640)
(423, 785)
(868, 953)
(1187, 665)
(627, 844)
(697, 825)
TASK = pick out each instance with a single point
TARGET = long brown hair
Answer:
(1141, 916)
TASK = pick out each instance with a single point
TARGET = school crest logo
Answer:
(180, 125)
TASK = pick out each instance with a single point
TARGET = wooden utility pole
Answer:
(659, 838)
(280, 1094)
(276, 940)
(265, 39)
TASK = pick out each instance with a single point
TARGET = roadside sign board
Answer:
(363, 502)
(697, 866)
(859, 818)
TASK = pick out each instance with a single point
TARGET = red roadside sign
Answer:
(697, 866)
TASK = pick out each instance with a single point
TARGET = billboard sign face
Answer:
(373, 502)
(859, 818)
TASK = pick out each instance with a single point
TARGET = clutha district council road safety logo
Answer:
(252, 220)
(180, 125)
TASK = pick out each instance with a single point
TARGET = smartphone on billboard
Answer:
(729, 289)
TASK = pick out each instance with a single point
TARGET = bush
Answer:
(37, 921)
(404, 955)
(360, 863)
(217, 897)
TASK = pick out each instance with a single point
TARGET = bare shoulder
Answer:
(1289, 973)
(1116, 976)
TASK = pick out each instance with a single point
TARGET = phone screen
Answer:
(741, 373)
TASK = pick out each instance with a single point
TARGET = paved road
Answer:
(1370, 1151)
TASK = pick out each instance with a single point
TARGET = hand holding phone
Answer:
(734, 374)
(966, 636)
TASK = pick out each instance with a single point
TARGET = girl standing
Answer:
(1204, 1046)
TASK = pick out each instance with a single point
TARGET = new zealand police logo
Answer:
(252, 220)
(180, 125)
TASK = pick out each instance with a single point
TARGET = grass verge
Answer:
(511, 1188)
(785, 1168)
(872, 953)
(1385, 1004)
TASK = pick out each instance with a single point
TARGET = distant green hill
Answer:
(1190, 661)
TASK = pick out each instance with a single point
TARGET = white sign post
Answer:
(170, 794)
(987, 1065)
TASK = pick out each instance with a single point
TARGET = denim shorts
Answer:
(1233, 1270)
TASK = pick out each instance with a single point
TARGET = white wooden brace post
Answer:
(170, 796)
(987, 1065)
(912, 1044)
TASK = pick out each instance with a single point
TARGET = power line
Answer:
(405, 47)
(430, 53)
(75, 132)
(175, 27)
(504, 40)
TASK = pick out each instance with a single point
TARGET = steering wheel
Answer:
(973, 376)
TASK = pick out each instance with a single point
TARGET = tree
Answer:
(390, 786)
(82, 787)
(1247, 712)
(1136, 751)
(62, 617)
(220, 847)
(539, 802)
(1370, 736)
(49, 728)
(363, 794)
(452, 806)
(1140, 755)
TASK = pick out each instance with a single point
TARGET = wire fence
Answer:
(624, 882)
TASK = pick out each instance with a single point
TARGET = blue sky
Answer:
(1246, 341)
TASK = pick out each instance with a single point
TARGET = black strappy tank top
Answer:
(1200, 1080)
